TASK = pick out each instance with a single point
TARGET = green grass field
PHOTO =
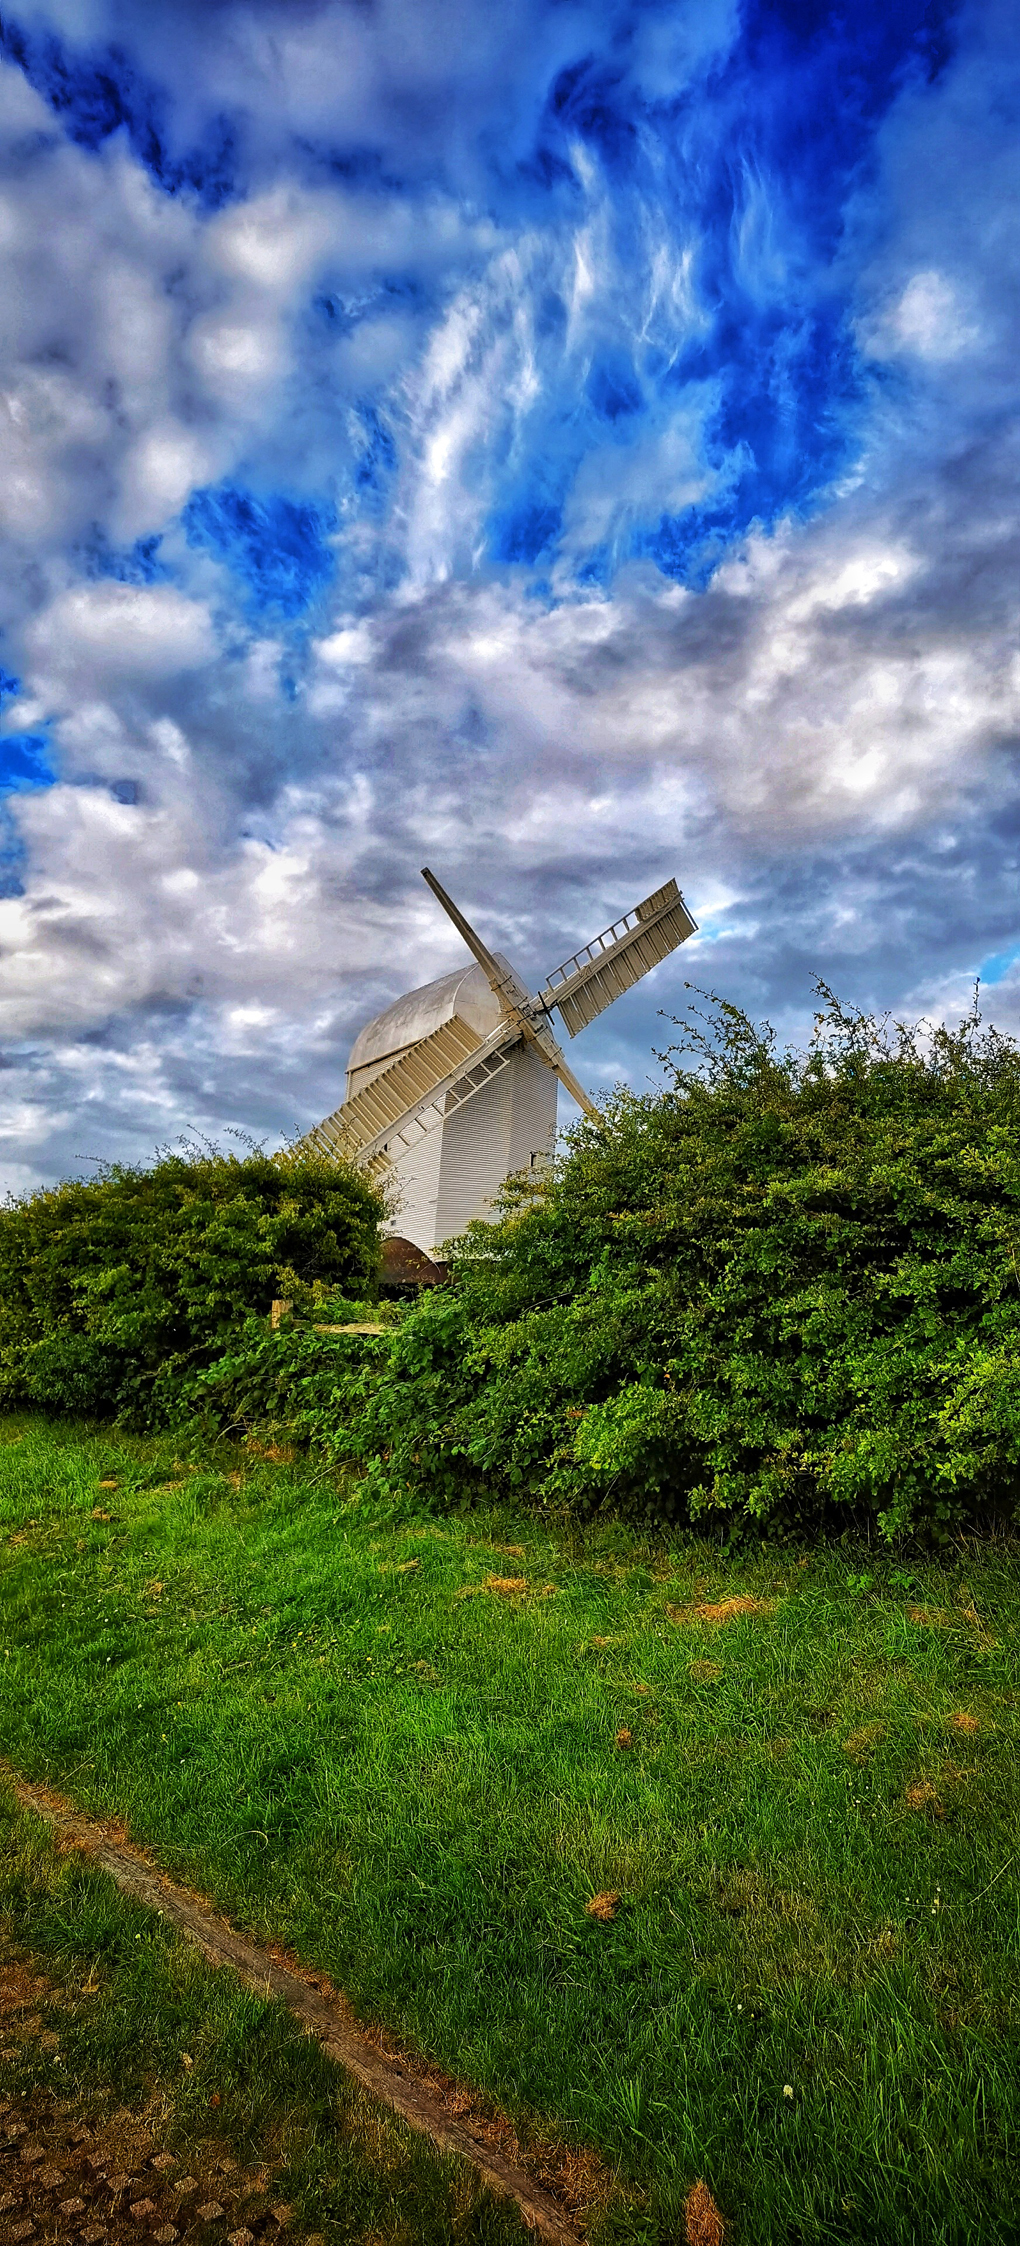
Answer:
(417, 1748)
(134, 2030)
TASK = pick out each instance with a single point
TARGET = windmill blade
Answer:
(557, 1063)
(515, 998)
(616, 960)
(510, 991)
(414, 1093)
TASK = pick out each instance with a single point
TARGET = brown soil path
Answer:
(441, 2109)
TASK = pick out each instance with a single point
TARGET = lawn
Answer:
(145, 2077)
(418, 1748)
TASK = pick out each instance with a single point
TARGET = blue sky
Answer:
(565, 444)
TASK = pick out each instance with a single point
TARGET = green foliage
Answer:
(293, 1380)
(114, 1291)
(784, 1291)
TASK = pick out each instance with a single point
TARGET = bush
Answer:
(783, 1292)
(295, 1382)
(113, 1292)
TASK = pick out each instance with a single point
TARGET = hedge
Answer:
(782, 1292)
(115, 1290)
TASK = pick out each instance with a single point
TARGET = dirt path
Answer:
(441, 2109)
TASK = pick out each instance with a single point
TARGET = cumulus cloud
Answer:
(569, 452)
(92, 633)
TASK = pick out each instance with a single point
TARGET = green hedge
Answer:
(114, 1291)
(785, 1291)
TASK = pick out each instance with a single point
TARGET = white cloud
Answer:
(120, 632)
(929, 319)
(351, 644)
(157, 475)
(860, 577)
(816, 745)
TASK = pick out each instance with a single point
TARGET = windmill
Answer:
(454, 1086)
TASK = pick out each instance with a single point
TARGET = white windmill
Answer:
(454, 1086)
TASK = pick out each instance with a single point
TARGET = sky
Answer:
(565, 444)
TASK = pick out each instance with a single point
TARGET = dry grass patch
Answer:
(705, 1672)
(883, 1945)
(506, 1587)
(747, 1893)
(939, 1618)
(277, 1454)
(970, 1614)
(499, 1586)
(603, 1906)
(703, 2222)
(963, 1722)
(624, 1738)
(922, 1795)
(721, 1610)
(862, 1743)
(780, 1927)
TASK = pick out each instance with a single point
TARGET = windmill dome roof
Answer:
(466, 993)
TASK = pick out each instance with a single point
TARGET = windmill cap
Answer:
(466, 992)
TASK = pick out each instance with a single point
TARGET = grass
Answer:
(130, 2032)
(418, 1748)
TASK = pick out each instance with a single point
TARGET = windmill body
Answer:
(448, 1175)
(454, 1086)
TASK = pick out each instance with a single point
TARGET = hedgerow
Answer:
(784, 1292)
(115, 1290)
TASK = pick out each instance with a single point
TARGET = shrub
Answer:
(115, 1290)
(782, 1292)
(294, 1381)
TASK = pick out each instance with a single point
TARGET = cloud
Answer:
(568, 448)
(132, 632)
(929, 319)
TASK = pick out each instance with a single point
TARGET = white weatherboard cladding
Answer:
(454, 1173)
(412, 1189)
(503, 1128)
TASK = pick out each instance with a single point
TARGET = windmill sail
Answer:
(438, 1073)
(618, 958)
(514, 999)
